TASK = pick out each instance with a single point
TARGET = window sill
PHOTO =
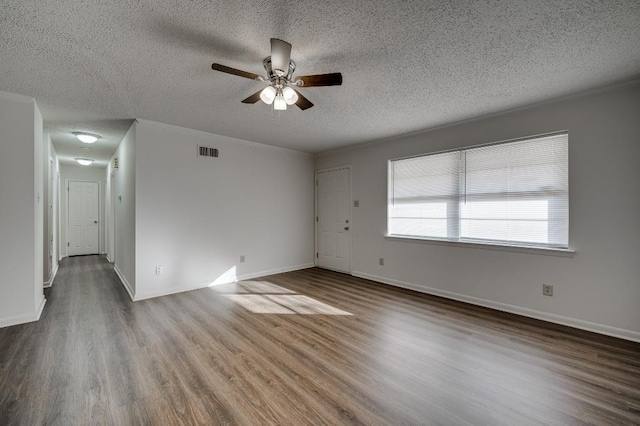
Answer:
(546, 251)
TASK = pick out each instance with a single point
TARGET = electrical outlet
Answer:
(381, 261)
(356, 203)
(547, 289)
(159, 269)
(242, 258)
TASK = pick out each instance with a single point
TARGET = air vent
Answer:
(205, 151)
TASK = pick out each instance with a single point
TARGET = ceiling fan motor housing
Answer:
(276, 74)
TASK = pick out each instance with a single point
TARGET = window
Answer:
(513, 193)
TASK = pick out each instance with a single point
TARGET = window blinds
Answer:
(510, 193)
(425, 192)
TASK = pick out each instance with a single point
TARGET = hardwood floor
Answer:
(330, 349)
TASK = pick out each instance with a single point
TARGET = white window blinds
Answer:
(512, 193)
(425, 192)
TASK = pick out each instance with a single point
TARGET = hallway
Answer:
(59, 370)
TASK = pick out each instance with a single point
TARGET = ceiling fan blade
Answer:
(237, 72)
(332, 79)
(302, 102)
(253, 98)
(280, 55)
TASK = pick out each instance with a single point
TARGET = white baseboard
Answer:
(531, 313)
(168, 291)
(40, 308)
(174, 290)
(109, 259)
(274, 271)
(23, 319)
(125, 283)
(49, 283)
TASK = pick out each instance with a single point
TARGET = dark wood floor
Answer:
(307, 347)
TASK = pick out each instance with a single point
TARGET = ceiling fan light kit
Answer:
(268, 95)
(290, 95)
(279, 104)
(280, 68)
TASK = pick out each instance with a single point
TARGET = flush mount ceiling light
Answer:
(280, 68)
(86, 137)
(84, 161)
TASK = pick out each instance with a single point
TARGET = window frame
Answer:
(502, 245)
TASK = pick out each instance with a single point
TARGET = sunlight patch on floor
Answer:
(284, 304)
(255, 287)
(263, 297)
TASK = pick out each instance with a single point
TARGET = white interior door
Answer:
(333, 237)
(83, 217)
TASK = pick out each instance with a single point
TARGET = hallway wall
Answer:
(121, 221)
(21, 210)
(51, 205)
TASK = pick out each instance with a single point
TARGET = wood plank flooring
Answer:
(308, 347)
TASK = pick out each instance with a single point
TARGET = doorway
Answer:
(84, 217)
(333, 219)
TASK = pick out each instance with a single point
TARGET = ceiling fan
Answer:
(281, 92)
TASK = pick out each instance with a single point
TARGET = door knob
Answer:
(346, 228)
(95, 221)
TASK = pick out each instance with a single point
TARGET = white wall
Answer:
(109, 205)
(46, 140)
(50, 204)
(86, 173)
(195, 216)
(21, 295)
(121, 226)
(56, 208)
(39, 206)
(597, 289)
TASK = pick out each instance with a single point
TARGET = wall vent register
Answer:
(514, 193)
(205, 151)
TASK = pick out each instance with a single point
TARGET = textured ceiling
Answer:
(407, 65)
